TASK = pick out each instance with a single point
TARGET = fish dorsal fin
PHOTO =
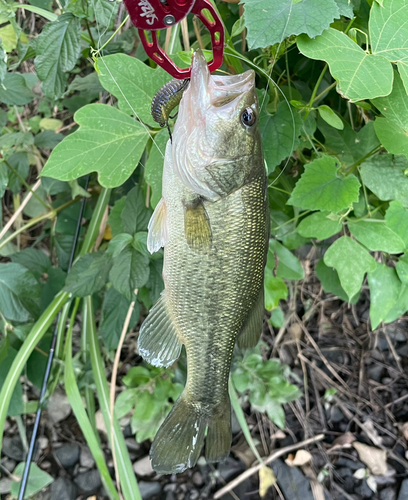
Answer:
(157, 236)
(158, 342)
(197, 226)
(252, 328)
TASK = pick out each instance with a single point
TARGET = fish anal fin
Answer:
(252, 328)
(158, 342)
(218, 440)
(179, 441)
(157, 235)
(197, 226)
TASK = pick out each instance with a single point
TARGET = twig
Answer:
(248, 473)
(113, 388)
(184, 32)
(20, 209)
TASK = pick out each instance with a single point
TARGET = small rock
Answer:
(13, 448)
(363, 490)
(375, 372)
(143, 467)
(388, 493)
(147, 490)
(131, 444)
(230, 468)
(59, 407)
(344, 472)
(403, 492)
(197, 478)
(351, 464)
(86, 459)
(88, 482)
(170, 496)
(63, 489)
(68, 454)
(5, 485)
(335, 414)
(42, 442)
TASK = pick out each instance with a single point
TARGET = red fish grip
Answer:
(153, 15)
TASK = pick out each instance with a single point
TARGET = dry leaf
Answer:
(372, 483)
(360, 473)
(372, 433)
(266, 480)
(279, 434)
(374, 458)
(343, 441)
(302, 457)
(296, 330)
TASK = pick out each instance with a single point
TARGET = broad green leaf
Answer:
(135, 215)
(280, 134)
(4, 178)
(118, 243)
(400, 307)
(114, 310)
(130, 271)
(331, 283)
(18, 288)
(47, 139)
(376, 235)
(321, 188)
(3, 63)
(397, 219)
(275, 289)
(136, 376)
(154, 166)
(14, 139)
(402, 269)
(289, 266)
(395, 106)
(50, 124)
(8, 38)
(360, 75)
(385, 289)
(14, 90)
(115, 217)
(34, 260)
(319, 225)
(389, 33)
(105, 11)
(345, 8)
(133, 83)
(392, 137)
(271, 22)
(108, 142)
(89, 86)
(16, 406)
(351, 262)
(58, 48)
(19, 162)
(330, 117)
(386, 176)
(89, 274)
(277, 318)
(348, 145)
(37, 480)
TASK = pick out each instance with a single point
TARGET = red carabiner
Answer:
(153, 15)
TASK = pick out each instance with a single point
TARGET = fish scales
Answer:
(213, 223)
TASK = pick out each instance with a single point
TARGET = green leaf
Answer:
(58, 48)
(271, 22)
(118, 243)
(89, 274)
(351, 262)
(385, 289)
(330, 117)
(135, 215)
(18, 288)
(154, 166)
(16, 406)
(280, 134)
(360, 75)
(400, 307)
(376, 235)
(47, 139)
(8, 38)
(130, 271)
(402, 269)
(321, 188)
(289, 266)
(275, 289)
(319, 225)
(115, 217)
(331, 283)
(395, 106)
(105, 11)
(89, 86)
(386, 176)
(348, 145)
(108, 142)
(14, 90)
(4, 178)
(277, 318)
(34, 260)
(114, 310)
(37, 480)
(397, 219)
(10, 140)
(19, 162)
(345, 8)
(133, 83)
(136, 376)
(389, 33)
(392, 137)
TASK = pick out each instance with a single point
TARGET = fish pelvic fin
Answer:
(158, 342)
(157, 229)
(218, 440)
(179, 441)
(197, 226)
(252, 327)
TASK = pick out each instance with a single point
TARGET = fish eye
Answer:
(248, 117)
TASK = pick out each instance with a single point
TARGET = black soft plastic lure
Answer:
(166, 99)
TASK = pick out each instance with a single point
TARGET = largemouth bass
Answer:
(213, 224)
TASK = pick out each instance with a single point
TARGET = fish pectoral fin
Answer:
(224, 177)
(178, 442)
(252, 328)
(158, 342)
(157, 235)
(197, 226)
(218, 440)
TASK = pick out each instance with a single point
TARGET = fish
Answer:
(212, 221)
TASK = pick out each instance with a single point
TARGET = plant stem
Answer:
(327, 89)
(25, 183)
(316, 88)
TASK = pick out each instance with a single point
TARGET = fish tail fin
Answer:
(179, 441)
(218, 440)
